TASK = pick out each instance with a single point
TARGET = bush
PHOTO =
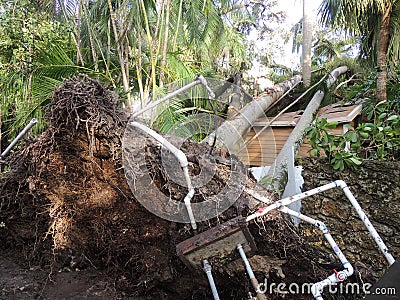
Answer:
(378, 138)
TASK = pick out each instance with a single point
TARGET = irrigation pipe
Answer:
(336, 277)
(199, 79)
(182, 161)
(348, 270)
(254, 282)
(19, 136)
(338, 183)
(207, 270)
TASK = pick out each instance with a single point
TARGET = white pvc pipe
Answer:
(366, 221)
(204, 82)
(207, 269)
(182, 161)
(318, 287)
(199, 79)
(19, 136)
(338, 183)
(285, 201)
(253, 279)
(245, 261)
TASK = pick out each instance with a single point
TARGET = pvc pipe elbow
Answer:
(316, 290)
(189, 196)
(188, 205)
(318, 287)
(348, 269)
(321, 226)
(340, 183)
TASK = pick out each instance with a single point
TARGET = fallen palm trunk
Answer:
(278, 170)
(230, 134)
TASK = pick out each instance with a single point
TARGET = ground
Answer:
(18, 281)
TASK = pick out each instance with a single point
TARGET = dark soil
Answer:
(73, 230)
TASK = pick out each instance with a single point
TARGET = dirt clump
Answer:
(66, 208)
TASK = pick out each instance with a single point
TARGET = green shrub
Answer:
(378, 138)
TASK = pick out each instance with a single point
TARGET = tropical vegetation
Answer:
(139, 47)
(375, 33)
(134, 46)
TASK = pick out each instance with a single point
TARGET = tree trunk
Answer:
(91, 39)
(79, 57)
(383, 45)
(230, 134)
(165, 44)
(278, 170)
(307, 43)
(119, 44)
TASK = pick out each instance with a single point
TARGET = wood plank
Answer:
(219, 241)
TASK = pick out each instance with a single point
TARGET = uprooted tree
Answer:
(65, 203)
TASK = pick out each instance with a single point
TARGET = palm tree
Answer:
(373, 21)
(135, 46)
(307, 43)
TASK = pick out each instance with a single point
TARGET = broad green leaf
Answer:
(392, 117)
(332, 125)
(336, 165)
(314, 152)
(382, 115)
(355, 161)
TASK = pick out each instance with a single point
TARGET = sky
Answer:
(294, 11)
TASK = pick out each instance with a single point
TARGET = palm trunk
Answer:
(307, 43)
(75, 37)
(165, 44)
(278, 170)
(79, 57)
(178, 25)
(91, 39)
(119, 44)
(383, 45)
(151, 83)
(231, 133)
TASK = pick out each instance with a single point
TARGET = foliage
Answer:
(331, 44)
(334, 147)
(377, 29)
(135, 46)
(375, 139)
(364, 87)
(380, 138)
(340, 14)
(35, 55)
